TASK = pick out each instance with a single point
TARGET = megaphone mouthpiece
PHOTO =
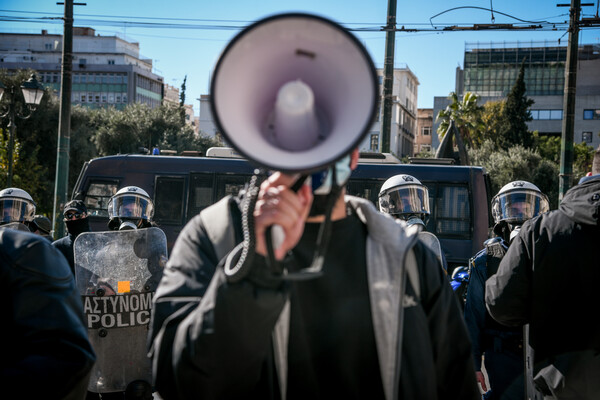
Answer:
(294, 125)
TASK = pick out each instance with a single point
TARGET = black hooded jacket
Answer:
(549, 278)
(44, 347)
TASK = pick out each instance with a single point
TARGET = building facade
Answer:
(107, 70)
(424, 130)
(404, 115)
(491, 69)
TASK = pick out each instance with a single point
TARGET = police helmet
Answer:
(16, 205)
(517, 202)
(130, 204)
(404, 197)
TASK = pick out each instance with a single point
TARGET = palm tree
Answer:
(466, 115)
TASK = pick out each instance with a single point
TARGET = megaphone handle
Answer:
(274, 235)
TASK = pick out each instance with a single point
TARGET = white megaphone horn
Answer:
(294, 93)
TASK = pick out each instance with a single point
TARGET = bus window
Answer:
(97, 197)
(230, 185)
(367, 189)
(453, 212)
(200, 194)
(168, 200)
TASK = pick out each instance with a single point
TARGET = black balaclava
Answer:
(77, 226)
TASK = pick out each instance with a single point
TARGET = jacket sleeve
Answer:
(455, 374)
(50, 355)
(508, 292)
(210, 338)
(475, 307)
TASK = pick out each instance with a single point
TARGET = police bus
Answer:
(182, 186)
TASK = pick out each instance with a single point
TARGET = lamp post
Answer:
(32, 93)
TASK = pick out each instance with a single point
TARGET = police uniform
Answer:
(501, 346)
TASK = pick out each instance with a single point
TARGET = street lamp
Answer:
(32, 93)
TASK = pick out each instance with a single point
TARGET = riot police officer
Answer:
(502, 346)
(17, 208)
(125, 265)
(130, 208)
(406, 198)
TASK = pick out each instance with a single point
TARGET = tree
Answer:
(139, 128)
(513, 128)
(467, 116)
(517, 163)
(182, 100)
(34, 155)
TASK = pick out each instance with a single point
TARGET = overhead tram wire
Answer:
(543, 25)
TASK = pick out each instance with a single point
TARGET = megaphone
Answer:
(294, 92)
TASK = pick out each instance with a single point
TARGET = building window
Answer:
(556, 114)
(426, 130)
(375, 142)
(546, 114)
(591, 114)
(111, 62)
(586, 137)
(48, 46)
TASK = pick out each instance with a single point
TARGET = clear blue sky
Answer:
(192, 50)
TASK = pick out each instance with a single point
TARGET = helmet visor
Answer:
(407, 199)
(519, 206)
(16, 210)
(130, 206)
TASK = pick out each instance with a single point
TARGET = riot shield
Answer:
(117, 273)
(15, 225)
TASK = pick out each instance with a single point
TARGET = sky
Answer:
(186, 37)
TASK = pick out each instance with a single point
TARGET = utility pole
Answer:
(568, 123)
(388, 76)
(64, 122)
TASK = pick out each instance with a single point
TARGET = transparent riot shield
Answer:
(15, 225)
(117, 273)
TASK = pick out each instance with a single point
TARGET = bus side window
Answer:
(230, 185)
(453, 212)
(97, 196)
(201, 193)
(367, 189)
(168, 200)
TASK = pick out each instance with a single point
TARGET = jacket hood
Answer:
(582, 203)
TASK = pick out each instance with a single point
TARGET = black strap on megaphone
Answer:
(247, 251)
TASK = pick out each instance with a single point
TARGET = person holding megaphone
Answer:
(293, 289)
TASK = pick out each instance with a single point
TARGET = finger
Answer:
(279, 178)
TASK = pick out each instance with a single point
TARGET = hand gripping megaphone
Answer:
(294, 93)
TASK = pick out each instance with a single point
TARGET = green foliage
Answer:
(466, 114)
(513, 129)
(583, 155)
(138, 128)
(493, 117)
(34, 155)
(547, 146)
(425, 154)
(517, 163)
